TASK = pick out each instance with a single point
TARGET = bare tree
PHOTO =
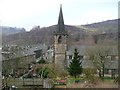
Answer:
(99, 57)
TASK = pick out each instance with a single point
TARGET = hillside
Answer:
(109, 26)
(43, 35)
(86, 34)
(10, 30)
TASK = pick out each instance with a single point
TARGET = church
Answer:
(60, 43)
(61, 53)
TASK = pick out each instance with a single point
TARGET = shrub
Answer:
(89, 76)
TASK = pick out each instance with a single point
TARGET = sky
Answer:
(31, 13)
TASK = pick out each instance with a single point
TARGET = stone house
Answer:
(111, 65)
(62, 53)
(17, 61)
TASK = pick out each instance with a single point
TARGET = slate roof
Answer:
(111, 64)
(82, 49)
(25, 52)
(38, 47)
(87, 64)
(18, 54)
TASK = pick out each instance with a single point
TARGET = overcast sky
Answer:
(30, 13)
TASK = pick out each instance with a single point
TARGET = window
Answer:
(116, 57)
(106, 71)
(59, 39)
(81, 57)
(113, 57)
(109, 57)
(70, 56)
(86, 57)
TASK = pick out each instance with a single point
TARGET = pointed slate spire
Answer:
(61, 27)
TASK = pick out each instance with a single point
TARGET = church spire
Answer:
(61, 27)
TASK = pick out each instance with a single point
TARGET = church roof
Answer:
(60, 25)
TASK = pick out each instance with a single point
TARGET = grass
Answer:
(108, 80)
(71, 80)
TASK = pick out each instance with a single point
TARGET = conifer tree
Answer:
(75, 67)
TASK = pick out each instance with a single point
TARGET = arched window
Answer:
(59, 39)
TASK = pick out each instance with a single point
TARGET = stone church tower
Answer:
(60, 44)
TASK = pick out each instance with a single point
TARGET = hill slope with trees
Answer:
(11, 30)
(85, 34)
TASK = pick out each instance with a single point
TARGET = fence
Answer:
(23, 82)
(32, 81)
